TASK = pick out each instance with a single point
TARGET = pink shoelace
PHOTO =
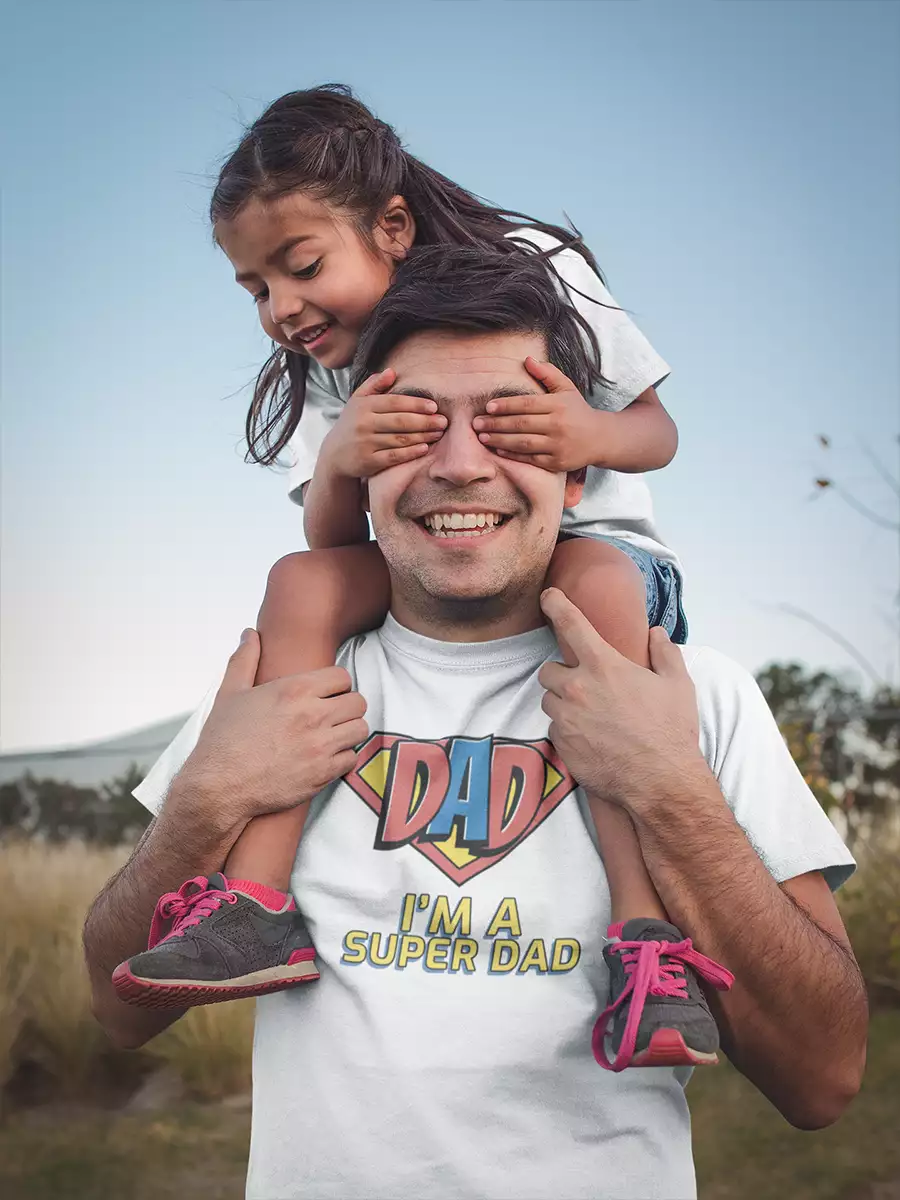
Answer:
(648, 975)
(188, 906)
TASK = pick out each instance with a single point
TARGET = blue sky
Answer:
(734, 166)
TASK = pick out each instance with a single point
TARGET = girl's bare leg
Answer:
(315, 600)
(609, 589)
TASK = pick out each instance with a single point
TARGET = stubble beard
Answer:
(447, 612)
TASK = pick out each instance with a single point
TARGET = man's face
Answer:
(467, 535)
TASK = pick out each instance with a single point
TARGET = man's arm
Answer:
(262, 749)
(795, 1020)
(186, 839)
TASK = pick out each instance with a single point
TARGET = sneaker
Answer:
(216, 939)
(658, 1015)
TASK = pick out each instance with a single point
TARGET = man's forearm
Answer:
(795, 1020)
(188, 838)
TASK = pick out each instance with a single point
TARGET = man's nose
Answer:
(285, 303)
(459, 458)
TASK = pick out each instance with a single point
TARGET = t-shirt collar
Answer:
(536, 645)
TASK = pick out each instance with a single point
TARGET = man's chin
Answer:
(458, 587)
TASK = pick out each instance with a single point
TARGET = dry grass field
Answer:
(79, 1120)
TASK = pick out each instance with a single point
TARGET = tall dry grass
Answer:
(45, 1014)
(870, 906)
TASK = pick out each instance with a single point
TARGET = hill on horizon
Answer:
(93, 763)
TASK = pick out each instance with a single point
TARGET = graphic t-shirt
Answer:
(458, 905)
(614, 504)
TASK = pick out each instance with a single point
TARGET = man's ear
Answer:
(395, 229)
(574, 487)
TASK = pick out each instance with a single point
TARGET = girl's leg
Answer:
(609, 589)
(670, 1025)
(666, 1021)
(314, 601)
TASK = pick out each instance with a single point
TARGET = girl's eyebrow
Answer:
(244, 276)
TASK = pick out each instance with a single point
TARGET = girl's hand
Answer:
(557, 430)
(378, 430)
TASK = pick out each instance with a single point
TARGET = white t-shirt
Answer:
(614, 504)
(458, 905)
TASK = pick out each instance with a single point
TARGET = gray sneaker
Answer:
(214, 940)
(658, 1015)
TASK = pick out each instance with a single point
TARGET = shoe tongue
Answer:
(217, 882)
(647, 929)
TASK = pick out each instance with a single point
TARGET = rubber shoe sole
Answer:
(667, 1048)
(175, 993)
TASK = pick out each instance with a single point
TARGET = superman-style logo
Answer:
(464, 803)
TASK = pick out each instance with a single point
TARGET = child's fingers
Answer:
(545, 461)
(507, 405)
(519, 423)
(406, 422)
(551, 377)
(518, 443)
(387, 402)
(398, 454)
(387, 441)
(380, 382)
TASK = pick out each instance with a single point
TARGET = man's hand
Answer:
(620, 729)
(378, 430)
(268, 748)
(262, 749)
(558, 430)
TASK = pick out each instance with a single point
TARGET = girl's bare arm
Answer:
(333, 512)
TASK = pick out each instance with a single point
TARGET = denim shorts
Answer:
(663, 585)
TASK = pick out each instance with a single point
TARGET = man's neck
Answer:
(468, 620)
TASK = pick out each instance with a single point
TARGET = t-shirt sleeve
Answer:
(628, 362)
(781, 817)
(322, 405)
(151, 791)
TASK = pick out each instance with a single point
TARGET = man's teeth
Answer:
(462, 524)
(310, 335)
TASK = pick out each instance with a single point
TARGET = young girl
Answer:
(315, 208)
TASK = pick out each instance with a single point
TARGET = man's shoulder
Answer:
(728, 695)
(359, 649)
(709, 666)
(348, 650)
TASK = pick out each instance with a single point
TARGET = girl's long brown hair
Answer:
(327, 144)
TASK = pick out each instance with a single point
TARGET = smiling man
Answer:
(456, 896)
(478, 531)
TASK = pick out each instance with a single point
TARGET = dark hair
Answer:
(326, 143)
(464, 288)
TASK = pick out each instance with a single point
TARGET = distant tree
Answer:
(56, 811)
(13, 807)
(120, 818)
(846, 744)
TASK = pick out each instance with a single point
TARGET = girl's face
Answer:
(313, 276)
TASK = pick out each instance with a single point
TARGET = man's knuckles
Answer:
(573, 689)
(354, 732)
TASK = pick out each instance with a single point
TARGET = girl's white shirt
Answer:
(614, 504)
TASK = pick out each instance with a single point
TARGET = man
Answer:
(457, 901)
